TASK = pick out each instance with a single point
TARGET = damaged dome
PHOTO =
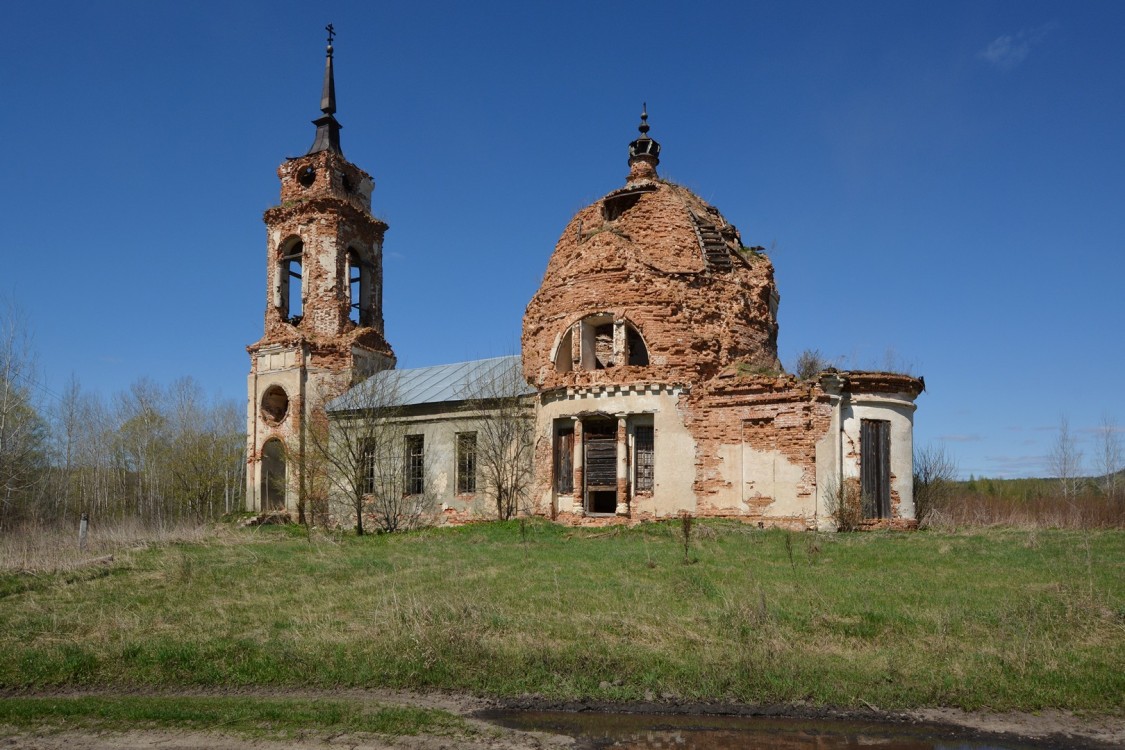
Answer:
(650, 284)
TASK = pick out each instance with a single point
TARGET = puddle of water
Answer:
(648, 732)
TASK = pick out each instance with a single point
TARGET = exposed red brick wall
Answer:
(796, 414)
(647, 267)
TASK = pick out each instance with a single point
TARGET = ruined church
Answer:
(649, 363)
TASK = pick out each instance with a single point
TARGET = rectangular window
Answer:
(875, 467)
(643, 458)
(466, 463)
(415, 465)
(564, 461)
(369, 468)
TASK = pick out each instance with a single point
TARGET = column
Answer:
(622, 467)
(578, 506)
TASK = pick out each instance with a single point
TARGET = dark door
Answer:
(875, 467)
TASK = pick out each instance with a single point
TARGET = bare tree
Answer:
(23, 433)
(360, 453)
(934, 473)
(504, 415)
(1109, 454)
(1065, 459)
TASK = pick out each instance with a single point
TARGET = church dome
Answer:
(650, 284)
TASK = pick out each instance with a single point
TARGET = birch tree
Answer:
(1065, 459)
(1109, 454)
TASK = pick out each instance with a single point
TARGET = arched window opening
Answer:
(605, 342)
(355, 285)
(564, 354)
(274, 481)
(597, 342)
(636, 351)
(359, 289)
(290, 297)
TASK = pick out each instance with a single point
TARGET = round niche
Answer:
(275, 404)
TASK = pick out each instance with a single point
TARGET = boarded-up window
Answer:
(564, 461)
(415, 465)
(643, 457)
(875, 467)
(601, 461)
(466, 463)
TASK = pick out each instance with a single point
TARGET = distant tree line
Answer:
(1071, 496)
(152, 453)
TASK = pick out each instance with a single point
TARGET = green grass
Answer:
(999, 619)
(275, 718)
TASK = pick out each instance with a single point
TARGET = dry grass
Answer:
(41, 549)
(979, 510)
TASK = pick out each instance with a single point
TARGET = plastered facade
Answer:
(651, 346)
(652, 268)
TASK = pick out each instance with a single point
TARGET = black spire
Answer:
(644, 146)
(327, 129)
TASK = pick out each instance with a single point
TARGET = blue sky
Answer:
(941, 186)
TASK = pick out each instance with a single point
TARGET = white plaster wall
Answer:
(258, 430)
(763, 474)
(674, 447)
(899, 412)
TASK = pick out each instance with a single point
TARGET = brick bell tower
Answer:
(324, 307)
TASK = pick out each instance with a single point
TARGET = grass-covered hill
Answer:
(998, 619)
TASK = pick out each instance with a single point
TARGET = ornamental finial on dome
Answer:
(644, 153)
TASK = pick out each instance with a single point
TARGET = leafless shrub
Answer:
(686, 522)
(504, 418)
(936, 519)
(844, 503)
(360, 457)
(811, 363)
(934, 474)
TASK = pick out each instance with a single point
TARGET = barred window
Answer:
(643, 457)
(466, 463)
(415, 465)
(369, 468)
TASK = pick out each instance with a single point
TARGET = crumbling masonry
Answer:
(650, 351)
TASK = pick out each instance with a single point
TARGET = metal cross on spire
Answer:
(327, 129)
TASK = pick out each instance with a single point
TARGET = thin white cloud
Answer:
(961, 438)
(1007, 51)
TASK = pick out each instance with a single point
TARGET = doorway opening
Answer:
(599, 440)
